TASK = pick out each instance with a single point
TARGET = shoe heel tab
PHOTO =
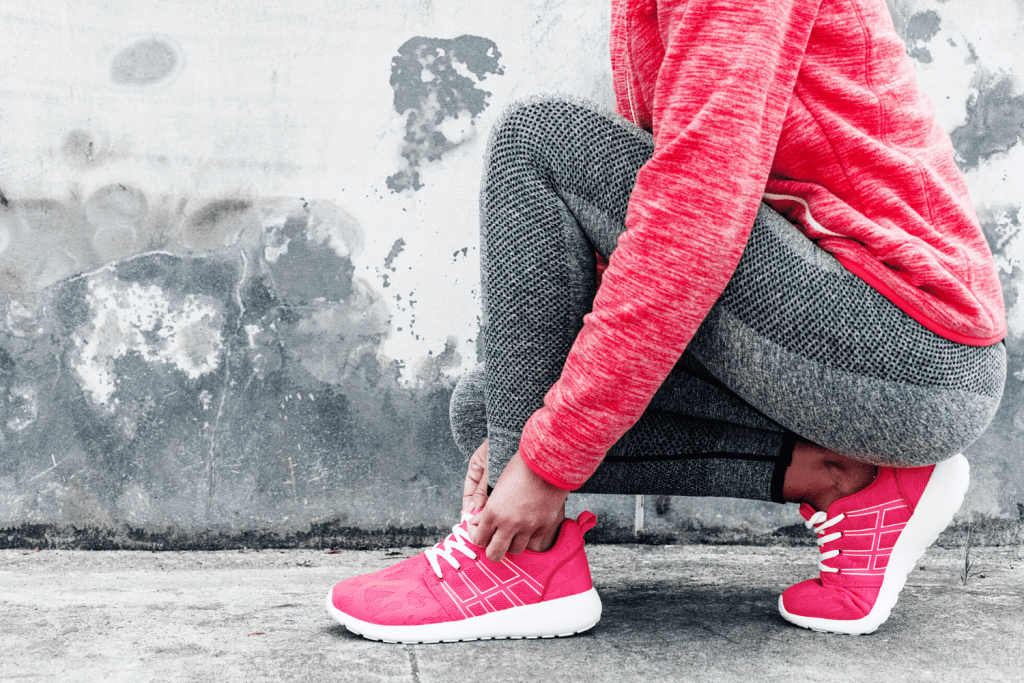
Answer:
(586, 521)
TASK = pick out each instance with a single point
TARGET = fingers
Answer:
(499, 539)
(486, 532)
(475, 473)
(522, 506)
(519, 543)
(502, 543)
(471, 489)
(499, 545)
(481, 529)
(476, 481)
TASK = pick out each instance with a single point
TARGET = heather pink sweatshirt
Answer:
(811, 105)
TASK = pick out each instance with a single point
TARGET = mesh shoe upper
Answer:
(397, 594)
(856, 539)
(409, 593)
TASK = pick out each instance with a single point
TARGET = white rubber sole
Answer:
(551, 619)
(942, 497)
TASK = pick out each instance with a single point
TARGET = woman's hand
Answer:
(522, 507)
(474, 492)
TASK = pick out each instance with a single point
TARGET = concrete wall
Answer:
(239, 260)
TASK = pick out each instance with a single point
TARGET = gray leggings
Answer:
(796, 348)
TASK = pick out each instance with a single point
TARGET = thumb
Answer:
(479, 498)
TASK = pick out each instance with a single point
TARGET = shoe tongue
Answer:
(807, 511)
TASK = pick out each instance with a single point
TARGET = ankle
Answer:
(819, 477)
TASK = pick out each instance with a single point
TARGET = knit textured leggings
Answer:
(796, 348)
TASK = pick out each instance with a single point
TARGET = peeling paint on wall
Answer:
(919, 29)
(396, 249)
(142, 320)
(435, 83)
(219, 388)
(995, 119)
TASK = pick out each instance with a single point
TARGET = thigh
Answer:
(819, 351)
(557, 180)
(556, 166)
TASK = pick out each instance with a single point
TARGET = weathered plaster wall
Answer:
(239, 263)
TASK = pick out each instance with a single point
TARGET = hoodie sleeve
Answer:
(719, 100)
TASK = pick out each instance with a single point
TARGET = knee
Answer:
(532, 125)
(467, 411)
(530, 112)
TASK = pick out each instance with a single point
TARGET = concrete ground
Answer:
(670, 613)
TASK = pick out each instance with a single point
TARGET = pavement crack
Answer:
(413, 664)
(719, 634)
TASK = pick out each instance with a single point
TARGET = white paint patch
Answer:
(129, 317)
(21, 320)
(947, 78)
(458, 129)
(251, 331)
(987, 24)
(1015, 315)
(5, 237)
(22, 407)
(464, 71)
(996, 186)
(273, 225)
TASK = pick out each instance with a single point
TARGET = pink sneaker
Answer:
(871, 540)
(452, 592)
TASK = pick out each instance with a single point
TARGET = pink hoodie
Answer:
(811, 105)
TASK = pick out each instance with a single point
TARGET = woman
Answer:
(799, 305)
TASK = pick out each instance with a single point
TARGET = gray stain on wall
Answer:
(143, 63)
(919, 29)
(995, 119)
(117, 212)
(995, 112)
(306, 271)
(180, 392)
(80, 148)
(435, 85)
(397, 248)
